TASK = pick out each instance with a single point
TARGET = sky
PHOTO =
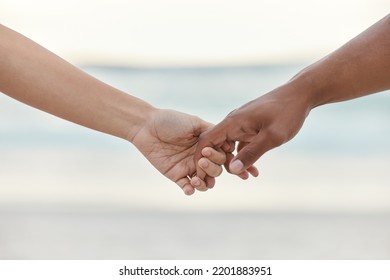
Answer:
(191, 33)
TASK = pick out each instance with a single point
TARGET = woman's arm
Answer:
(39, 78)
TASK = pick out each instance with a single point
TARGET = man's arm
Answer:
(360, 67)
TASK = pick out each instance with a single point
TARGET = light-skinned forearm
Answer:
(39, 78)
(167, 138)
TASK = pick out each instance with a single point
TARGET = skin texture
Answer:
(168, 139)
(360, 67)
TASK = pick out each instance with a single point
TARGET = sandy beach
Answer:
(75, 232)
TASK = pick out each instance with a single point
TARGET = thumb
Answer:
(250, 153)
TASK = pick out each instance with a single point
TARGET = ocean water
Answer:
(69, 192)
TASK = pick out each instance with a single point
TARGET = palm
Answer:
(168, 141)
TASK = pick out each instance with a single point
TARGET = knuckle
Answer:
(250, 155)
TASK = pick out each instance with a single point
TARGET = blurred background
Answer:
(67, 192)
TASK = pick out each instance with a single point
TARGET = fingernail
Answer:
(236, 166)
(188, 191)
(206, 152)
(203, 163)
(196, 182)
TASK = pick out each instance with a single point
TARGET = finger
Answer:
(229, 158)
(198, 184)
(253, 171)
(244, 174)
(212, 138)
(216, 156)
(228, 146)
(201, 126)
(241, 145)
(185, 185)
(200, 173)
(210, 182)
(251, 152)
(211, 169)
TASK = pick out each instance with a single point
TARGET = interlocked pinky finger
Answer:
(185, 185)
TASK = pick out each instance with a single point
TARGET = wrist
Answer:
(137, 117)
(310, 86)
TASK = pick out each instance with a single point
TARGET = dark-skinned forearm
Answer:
(360, 67)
